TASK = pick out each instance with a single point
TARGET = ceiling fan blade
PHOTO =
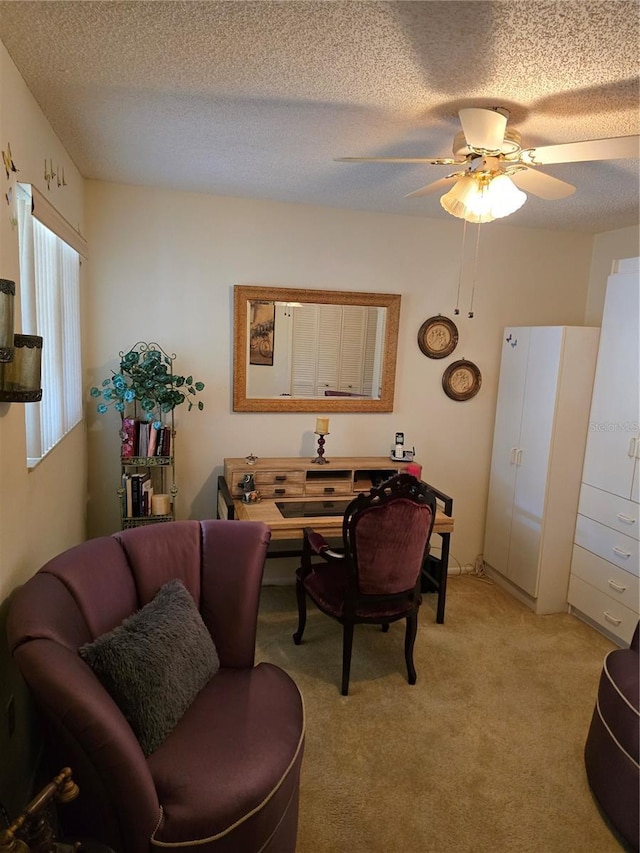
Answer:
(483, 129)
(615, 148)
(433, 161)
(542, 185)
(443, 183)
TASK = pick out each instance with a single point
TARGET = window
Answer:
(50, 299)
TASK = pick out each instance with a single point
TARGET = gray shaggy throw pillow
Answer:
(155, 663)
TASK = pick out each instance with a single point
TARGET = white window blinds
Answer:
(50, 300)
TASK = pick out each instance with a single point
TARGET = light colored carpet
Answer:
(483, 755)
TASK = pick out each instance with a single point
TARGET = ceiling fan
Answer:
(495, 168)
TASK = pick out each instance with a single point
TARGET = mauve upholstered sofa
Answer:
(226, 778)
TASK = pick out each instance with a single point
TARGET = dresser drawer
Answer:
(329, 487)
(607, 543)
(605, 576)
(611, 510)
(611, 615)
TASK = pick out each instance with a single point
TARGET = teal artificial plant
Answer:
(146, 380)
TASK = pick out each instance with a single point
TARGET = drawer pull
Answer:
(620, 552)
(280, 491)
(618, 587)
(611, 618)
(633, 442)
(626, 518)
(512, 456)
(329, 490)
(280, 478)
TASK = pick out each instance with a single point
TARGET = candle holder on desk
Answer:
(320, 460)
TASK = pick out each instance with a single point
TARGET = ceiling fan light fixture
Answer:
(482, 198)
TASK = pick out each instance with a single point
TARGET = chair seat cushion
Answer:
(230, 766)
(327, 588)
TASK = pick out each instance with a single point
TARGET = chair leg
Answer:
(409, 641)
(347, 644)
(301, 596)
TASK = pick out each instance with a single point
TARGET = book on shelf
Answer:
(153, 441)
(128, 438)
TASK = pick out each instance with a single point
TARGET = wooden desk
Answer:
(286, 480)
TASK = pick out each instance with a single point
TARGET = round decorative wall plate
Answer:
(461, 380)
(438, 337)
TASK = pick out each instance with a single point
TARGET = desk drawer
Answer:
(611, 615)
(328, 487)
(607, 543)
(613, 511)
(278, 490)
(267, 478)
(619, 585)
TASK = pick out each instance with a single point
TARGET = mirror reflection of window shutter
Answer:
(328, 354)
(351, 352)
(304, 347)
(369, 351)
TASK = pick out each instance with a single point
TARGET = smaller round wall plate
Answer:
(461, 380)
(438, 337)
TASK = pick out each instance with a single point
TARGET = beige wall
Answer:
(607, 248)
(163, 266)
(42, 512)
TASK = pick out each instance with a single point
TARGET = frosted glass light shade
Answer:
(477, 198)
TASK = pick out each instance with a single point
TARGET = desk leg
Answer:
(444, 573)
(434, 575)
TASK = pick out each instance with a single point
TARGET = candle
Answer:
(322, 426)
(160, 505)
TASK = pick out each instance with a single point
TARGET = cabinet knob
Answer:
(280, 491)
(329, 489)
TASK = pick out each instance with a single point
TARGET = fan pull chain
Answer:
(475, 272)
(456, 310)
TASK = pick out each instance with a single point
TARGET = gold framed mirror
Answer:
(313, 350)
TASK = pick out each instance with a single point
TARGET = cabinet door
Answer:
(532, 458)
(610, 456)
(506, 441)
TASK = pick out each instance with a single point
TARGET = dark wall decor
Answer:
(438, 337)
(461, 380)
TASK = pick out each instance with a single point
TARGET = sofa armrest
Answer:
(233, 555)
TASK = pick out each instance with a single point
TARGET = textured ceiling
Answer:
(255, 99)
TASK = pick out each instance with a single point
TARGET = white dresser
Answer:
(605, 585)
(542, 417)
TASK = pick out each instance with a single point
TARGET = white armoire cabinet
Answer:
(542, 415)
(605, 584)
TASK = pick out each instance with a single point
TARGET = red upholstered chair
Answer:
(226, 778)
(375, 578)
